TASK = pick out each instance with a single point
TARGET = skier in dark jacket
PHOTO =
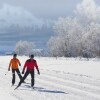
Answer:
(29, 64)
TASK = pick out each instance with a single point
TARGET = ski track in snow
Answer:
(50, 85)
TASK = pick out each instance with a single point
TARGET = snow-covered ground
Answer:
(60, 79)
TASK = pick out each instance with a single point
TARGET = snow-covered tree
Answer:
(69, 33)
(91, 39)
(88, 11)
(24, 48)
(78, 35)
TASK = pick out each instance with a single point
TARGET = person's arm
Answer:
(37, 67)
(10, 65)
(24, 67)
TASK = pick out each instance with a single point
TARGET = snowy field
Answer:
(60, 79)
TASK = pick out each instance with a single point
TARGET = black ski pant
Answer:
(13, 75)
(24, 77)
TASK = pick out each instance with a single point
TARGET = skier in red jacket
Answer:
(29, 64)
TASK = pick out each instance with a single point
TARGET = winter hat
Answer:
(14, 54)
(31, 56)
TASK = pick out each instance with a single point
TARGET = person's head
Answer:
(14, 55)
(31, 56)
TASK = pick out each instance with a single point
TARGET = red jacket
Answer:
(30, 64)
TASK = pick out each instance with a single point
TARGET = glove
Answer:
(8, 69)
(38, 72)
(22, 72)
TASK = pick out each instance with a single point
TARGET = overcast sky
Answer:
(40, 9)
(45, 8)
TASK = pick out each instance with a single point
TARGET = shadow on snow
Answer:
(40, 89)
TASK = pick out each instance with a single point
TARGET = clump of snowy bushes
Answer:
(24, 48)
